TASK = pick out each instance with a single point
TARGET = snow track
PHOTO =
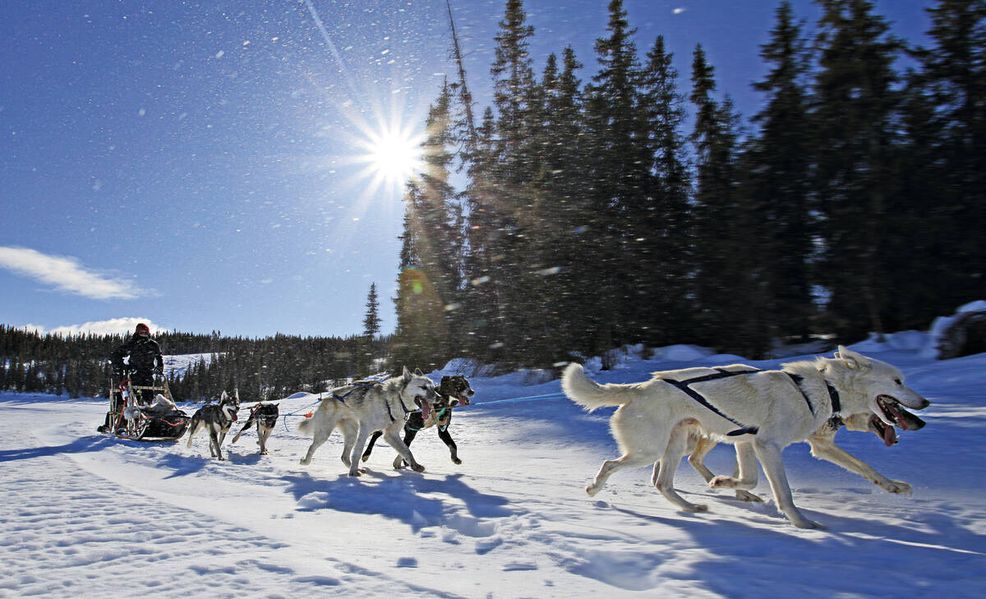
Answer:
(86, 515)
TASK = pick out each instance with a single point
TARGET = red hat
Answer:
(143, 328)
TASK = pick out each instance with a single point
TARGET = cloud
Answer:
(114, 326)
(67, 274)
(678, 10)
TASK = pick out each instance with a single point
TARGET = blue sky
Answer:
(201, 165)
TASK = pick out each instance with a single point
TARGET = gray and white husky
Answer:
(760, 412)
(216, 419)
(361, 410)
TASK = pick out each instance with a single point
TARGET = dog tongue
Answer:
(889, 436)
(425, 409)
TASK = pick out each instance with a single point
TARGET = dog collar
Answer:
(834, 396)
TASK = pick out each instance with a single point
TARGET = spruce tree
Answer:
(618, 180)
(779, 166)
(672, 262)
(952, 79)
(726, 289)
(854, 137)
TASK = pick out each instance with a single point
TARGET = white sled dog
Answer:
(822, 441)
(761, 412)
(359, 410)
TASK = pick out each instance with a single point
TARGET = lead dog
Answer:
(760, 412)
(822, 441)
(452, 391)
(217, 419)
(823, 447)
(361, 410)
(265, 415)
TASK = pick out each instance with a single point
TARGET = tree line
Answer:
(270, 367)
(626, 209)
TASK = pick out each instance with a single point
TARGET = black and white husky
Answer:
(360, 410)
(265, 415)
(452, 391)
(217, 419)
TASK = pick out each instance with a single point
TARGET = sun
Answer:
(391, 155)
(395, 156)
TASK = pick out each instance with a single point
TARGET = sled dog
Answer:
(822, 441)
(265, 416)
(216, 419)
(760, 412)
(452, 391)
(823, 447)
(362, 410)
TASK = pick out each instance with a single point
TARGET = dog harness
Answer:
(836, 420)
(685, 386)
(362, 386)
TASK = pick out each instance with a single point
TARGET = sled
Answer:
(129, 417)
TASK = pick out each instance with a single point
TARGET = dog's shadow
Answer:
(408, 498)
(796, 558)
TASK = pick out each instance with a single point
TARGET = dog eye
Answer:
(897, 381)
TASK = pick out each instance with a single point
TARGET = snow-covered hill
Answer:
(87, 515)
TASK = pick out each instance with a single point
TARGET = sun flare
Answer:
(392, 155)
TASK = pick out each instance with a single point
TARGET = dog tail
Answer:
(590, 394)
(191, 429)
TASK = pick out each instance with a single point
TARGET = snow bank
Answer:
(941, 325)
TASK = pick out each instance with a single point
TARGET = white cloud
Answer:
(67, 274)
(114, 326)
(678, 10)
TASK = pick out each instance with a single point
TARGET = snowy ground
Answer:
(86, 515)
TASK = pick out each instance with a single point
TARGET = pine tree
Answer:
(672, 262)
(726, 290)
(952, 79)
(854, 138)
(371, 327)
(562, 213)
(779, 166)
(515, 163)
(618, 179)
(371, 321)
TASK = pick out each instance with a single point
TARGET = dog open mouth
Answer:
(463, 399)
(424, 405)
(893, 412)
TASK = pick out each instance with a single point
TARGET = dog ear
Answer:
(223, 397)
(854, 360)
(406, 374)
(445, 379)
(417, 372)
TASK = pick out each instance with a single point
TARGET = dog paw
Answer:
(808, 524)
(896, 486)
(365, 457)
(591, 490)
(456, 461)
(304, 462)
(722, 482)
(418, 468)
(747, 496)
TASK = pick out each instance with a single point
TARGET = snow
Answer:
(88, 515)
(179, 364)
(941, 324)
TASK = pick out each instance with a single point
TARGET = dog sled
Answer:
(130, 416)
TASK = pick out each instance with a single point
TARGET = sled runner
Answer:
(131, 416)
